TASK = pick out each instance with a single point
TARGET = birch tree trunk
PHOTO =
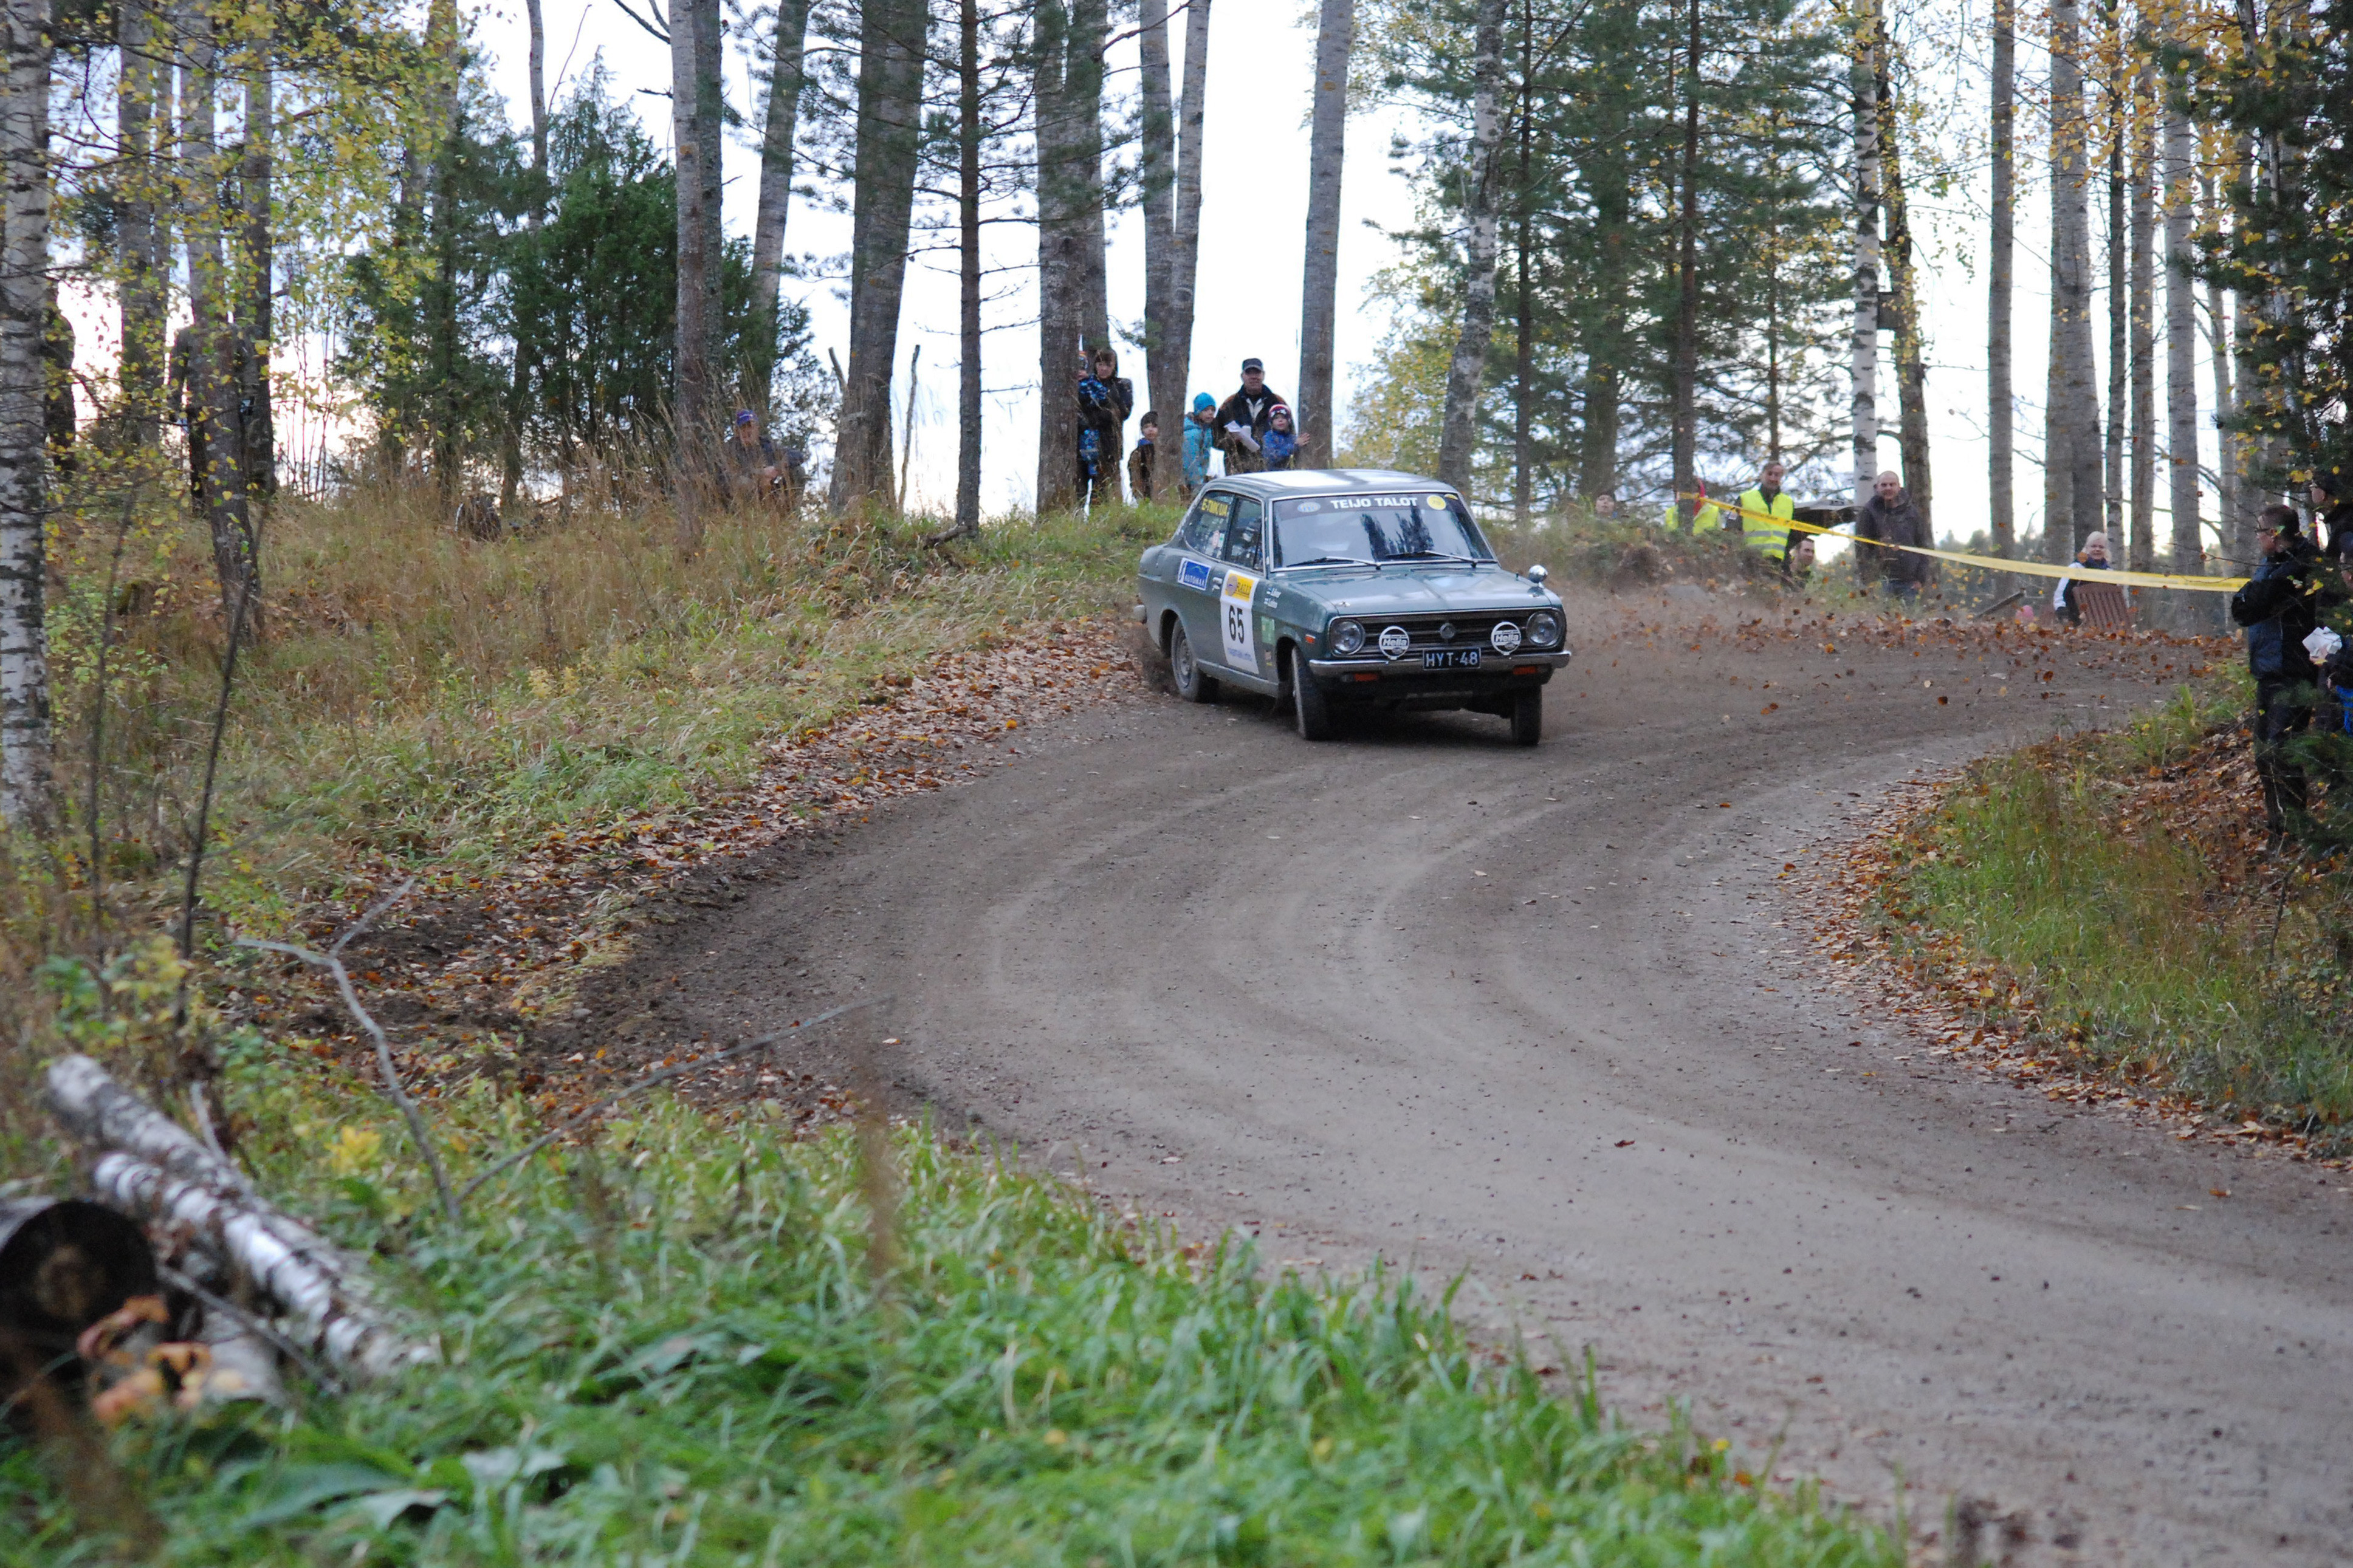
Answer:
(538, 66)
(258, 270)
(139, 245)
(1156, 156)
(1683, 432)
(779, 127)
(2000, 413)
(213, 342)
(967, 501)
(2143, 554)
(2181, 344)
(2250, 451)
(1863, 343)
(1911, 362)
(2120, 299)
(1336, 37)
(1059, 332)
(25, 743)
(2218, 339)
(1458, 437)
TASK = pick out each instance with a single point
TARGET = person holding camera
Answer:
(2280, 606)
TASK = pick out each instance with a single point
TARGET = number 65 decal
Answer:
(1234, 603)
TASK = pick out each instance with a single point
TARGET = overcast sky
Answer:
(1253, 223)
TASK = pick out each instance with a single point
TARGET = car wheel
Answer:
(1309, 705)
(1527, 717)
(1191, 684)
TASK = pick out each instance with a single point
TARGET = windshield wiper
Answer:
(1334, 561)
(1435, 555)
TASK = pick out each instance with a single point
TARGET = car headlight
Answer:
(1506, 636)
(1544, 629)
(1347, 638)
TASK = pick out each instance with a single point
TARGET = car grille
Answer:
(1470, 629)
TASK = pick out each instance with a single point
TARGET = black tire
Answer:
(1185, 670)
(1527, 717)
(1309, 705)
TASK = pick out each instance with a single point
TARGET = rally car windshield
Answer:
(1369, 530)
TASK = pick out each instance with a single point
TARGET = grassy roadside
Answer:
(422, 696)
(674, 1347)
(2108, 895)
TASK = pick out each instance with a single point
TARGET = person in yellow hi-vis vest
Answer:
(1705, 514)
(1766, 510)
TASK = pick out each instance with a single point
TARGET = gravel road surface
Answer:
(1544, 1017)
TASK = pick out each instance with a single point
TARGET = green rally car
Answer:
(1347, 588)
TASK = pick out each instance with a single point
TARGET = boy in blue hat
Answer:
(1200, 441)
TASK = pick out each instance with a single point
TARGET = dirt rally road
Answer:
(1546, 1017)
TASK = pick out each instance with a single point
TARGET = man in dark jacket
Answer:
(1891, 517)
(2280, 606)
(1242, 420)
(2332, 510)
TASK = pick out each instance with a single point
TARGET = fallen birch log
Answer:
(321, 1312)
(151, 1167)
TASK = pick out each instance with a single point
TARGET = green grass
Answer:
(2151, 952)
(422, 697)
(671, 1350)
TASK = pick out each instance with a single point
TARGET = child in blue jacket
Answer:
(1200, 441)
(1280, 443)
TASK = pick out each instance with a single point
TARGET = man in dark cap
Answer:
(1242, 420)
(2280, 606)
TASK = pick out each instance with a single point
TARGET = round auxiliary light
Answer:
(1394, 642)
(1347, 638)
(1506, 636)
(1544, 629)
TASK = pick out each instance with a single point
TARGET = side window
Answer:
(1198, 531)
(1245, 546)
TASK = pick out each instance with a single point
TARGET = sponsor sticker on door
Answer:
(1194, 575)
(1242, 653)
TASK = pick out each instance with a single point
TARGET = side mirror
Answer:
(1537, 574)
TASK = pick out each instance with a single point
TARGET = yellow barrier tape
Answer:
(2082, 574)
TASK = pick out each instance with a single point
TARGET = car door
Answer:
(1243, 556)
(1196, 569)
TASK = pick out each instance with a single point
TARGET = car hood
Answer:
(1413, 590)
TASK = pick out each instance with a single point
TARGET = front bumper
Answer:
(1409, 668)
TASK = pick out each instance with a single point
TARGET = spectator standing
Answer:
(1889, 517)
(1605, 506)
(2280, 606)
(2093, 557)
(1200, 441)
(1105, 400)
(1280, 445)
(1765, 512)
(752, 467)
(1242, 420)
(1140, 461)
